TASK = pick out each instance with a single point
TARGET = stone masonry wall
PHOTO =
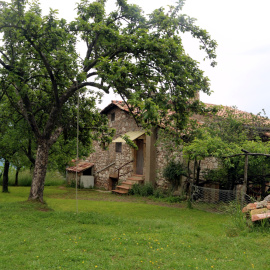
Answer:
(123, 123)
(71, 178)
(164, 154)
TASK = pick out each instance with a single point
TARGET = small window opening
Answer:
(88, 171)
(103, 146)
(118, 147)
(112, 117)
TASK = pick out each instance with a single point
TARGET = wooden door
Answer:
(139, 157)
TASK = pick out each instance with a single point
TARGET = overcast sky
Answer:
(241, 29)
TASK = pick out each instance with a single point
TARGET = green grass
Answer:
(115, 232)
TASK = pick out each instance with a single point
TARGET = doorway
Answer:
(139, 157)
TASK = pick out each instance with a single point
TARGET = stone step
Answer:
(120, 191)
(126, 185)
(135, 179)
(123, 187)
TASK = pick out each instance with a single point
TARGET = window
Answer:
(118, 147)
(103, 146)
(88, 171)
(112, 117)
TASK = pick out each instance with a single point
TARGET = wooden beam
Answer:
(244, 188)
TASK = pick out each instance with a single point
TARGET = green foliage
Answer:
(142, 190)
(159, 194)
(173, 172)
(217, 176)
(231, 127)
(223, 136)
(238, 225)
(209, 146)
(129, 142)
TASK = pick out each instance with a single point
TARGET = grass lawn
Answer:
(114, 232)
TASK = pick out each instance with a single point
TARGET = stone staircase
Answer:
(126, 185)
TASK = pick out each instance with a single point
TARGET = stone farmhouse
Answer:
(120, 166)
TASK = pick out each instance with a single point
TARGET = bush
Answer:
(142, 190)
(173, 172)
(174, 199)
(217, 175)
(159, 193)
(148, 190)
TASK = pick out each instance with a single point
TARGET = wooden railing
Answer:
(118, 169)
(105, 168)
(126, 173)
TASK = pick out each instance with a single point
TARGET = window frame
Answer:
(113, 117)
(118, 147)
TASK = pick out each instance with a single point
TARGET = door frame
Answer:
(135, 155)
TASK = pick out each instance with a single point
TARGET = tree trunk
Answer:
(5, 176)
(37, 187)
(16, 176)
(194, 170)
(198, 173)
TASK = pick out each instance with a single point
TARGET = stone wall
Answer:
(166, 151)
(71, 178)
(123, 123)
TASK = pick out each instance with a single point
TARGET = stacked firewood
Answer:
(258, 210)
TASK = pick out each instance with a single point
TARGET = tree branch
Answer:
(4, 55)
(91, 74)
(55, 136)
(25, 107)
(47, 66)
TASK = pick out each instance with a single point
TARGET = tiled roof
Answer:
(80, 167)
(222, 111)
(120, 104)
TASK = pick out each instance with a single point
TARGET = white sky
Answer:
(241, 28)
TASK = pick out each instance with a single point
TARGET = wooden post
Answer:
(194, 170)
(244, 189)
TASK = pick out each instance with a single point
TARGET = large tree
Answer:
(140, 57)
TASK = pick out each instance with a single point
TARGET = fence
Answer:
(215, 200)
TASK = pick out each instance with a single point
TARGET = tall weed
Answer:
(148, 190)
(53, 178)
(238, 221)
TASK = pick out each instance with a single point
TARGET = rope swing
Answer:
(77, 155)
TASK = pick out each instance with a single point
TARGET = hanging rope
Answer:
(77, 156)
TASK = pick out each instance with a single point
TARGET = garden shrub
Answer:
(217, 175)
(159, 193)
(142, 190)
(173, 172)
(148, 190)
